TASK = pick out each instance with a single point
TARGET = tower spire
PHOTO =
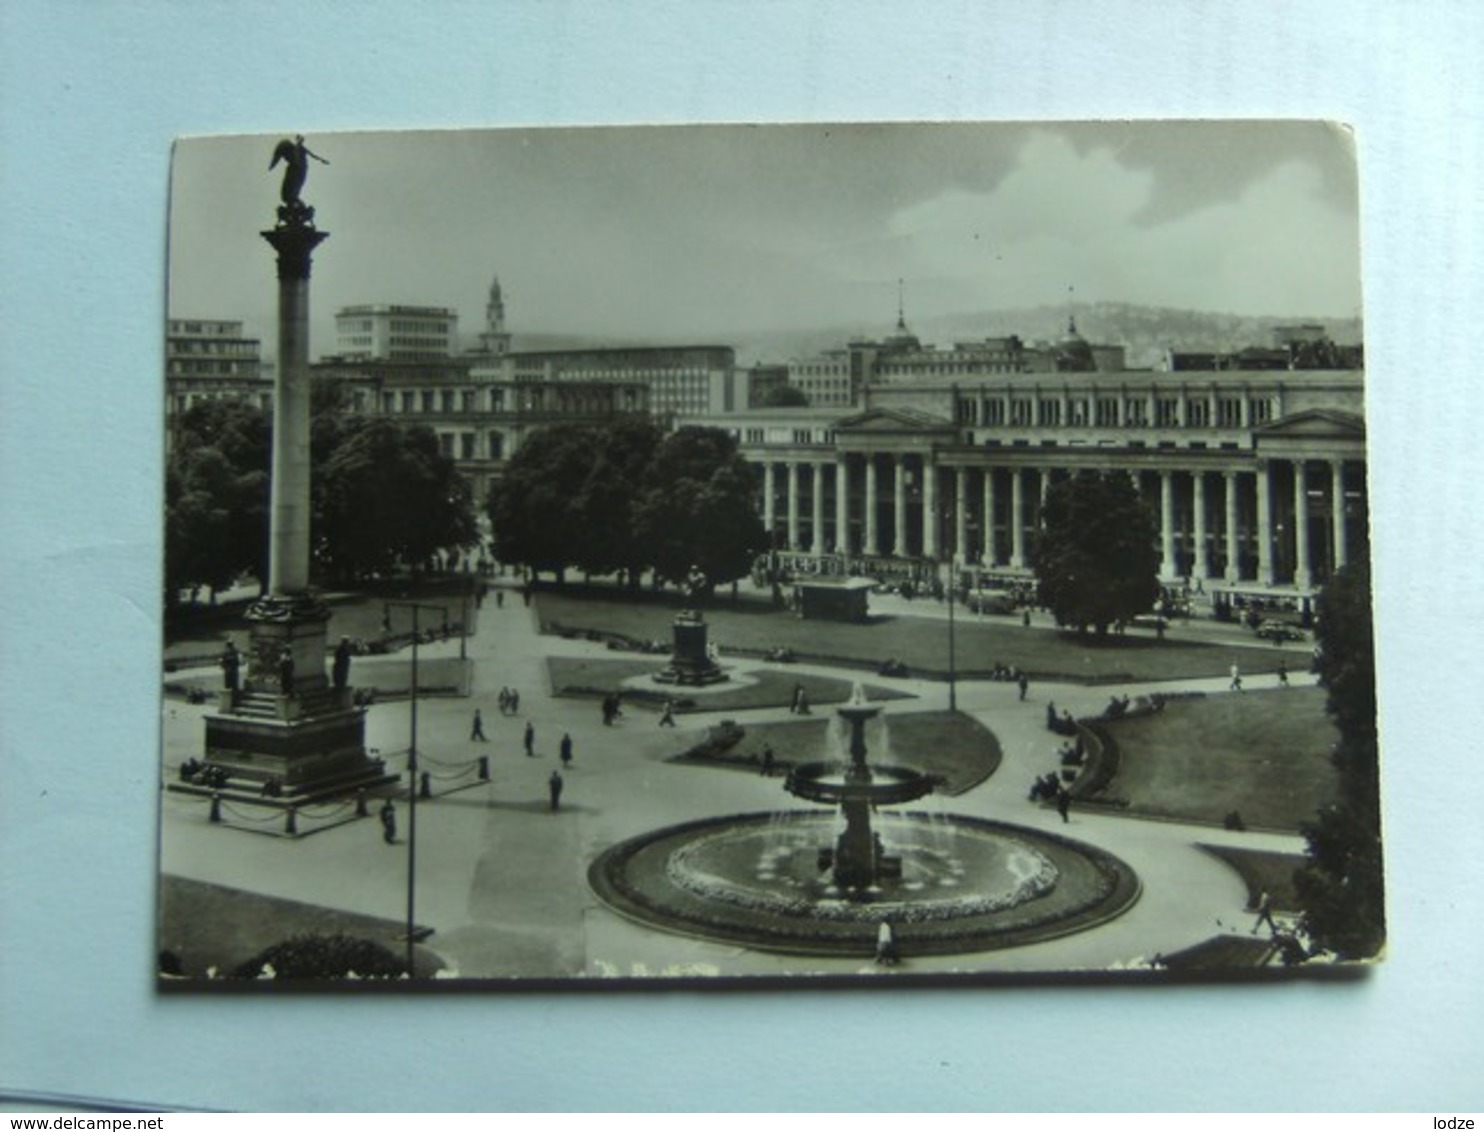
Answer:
(1071, 309)
(901, 310)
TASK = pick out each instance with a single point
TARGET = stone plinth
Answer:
(691, 663)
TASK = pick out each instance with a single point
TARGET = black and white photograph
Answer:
(864, 553)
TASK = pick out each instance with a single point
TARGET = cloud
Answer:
(1067, 218)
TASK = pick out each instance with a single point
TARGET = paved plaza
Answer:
(502, 880)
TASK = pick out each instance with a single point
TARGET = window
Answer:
(1167, 412)
(428, 400)
(994, 413)
(1262, 410)
(1133, 409)
(1048, 413)
(1107, 412)
(1020, 412)
(1198, 413)
(466, 446)
(1229, 412)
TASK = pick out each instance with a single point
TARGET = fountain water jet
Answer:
(858, 860)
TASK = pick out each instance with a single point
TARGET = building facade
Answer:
(401, 333)
(1256, 478)
(210, 360)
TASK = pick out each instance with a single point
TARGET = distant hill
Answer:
(1147, 333)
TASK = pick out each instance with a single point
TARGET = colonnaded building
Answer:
(1255, 471)
(911, 457)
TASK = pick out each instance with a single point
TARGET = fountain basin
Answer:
(966, 885)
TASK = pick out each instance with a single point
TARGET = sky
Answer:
(713, 234)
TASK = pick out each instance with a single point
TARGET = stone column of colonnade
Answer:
(899, 507)
(960, 515)
(793, 505)
(1303, 576)
(931, 520)
(1017, 519)
(842, 505)
(816, 516)
(770, 509)
(1201, 566)
(1167, 565)
(1264, 524)
(989, 506)
(1337, 495)
(872, 536)
(1233, 570)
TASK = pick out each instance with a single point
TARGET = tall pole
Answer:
(412, 804)
(412, 783)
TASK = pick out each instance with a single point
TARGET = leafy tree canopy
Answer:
(392, 494)
(1096, 560)
(1342, 885)
(387, 496)
(628, 497)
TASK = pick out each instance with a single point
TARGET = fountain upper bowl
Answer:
(834, 782)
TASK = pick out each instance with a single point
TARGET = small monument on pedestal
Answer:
(285, 731)
(692, 662)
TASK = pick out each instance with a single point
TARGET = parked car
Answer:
(1280, 631)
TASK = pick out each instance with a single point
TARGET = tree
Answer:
(627, 497)
(1096, 561)
(1341, 885)
(537, 507)
(605, 503)
(698, 510)
(387, 496)
(216, 496)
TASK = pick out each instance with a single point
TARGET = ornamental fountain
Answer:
(807, 882)
(858, 861)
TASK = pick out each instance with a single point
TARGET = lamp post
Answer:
(416, 608)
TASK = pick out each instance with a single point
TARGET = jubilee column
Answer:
(287, 728)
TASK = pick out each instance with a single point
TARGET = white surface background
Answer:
(91, 96)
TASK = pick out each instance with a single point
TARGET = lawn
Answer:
(1263, 872)
(200, 632)
(765, 687)
(1263, 754)
(207, 925)
(950, 746)
(754, 627)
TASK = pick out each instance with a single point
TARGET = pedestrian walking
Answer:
(504, 701)
(1236, 684)
(514, 702)
(887, 954)
(1283, 673)
(1063, 803)
(1025, 685)
(767, 760)
(499, 599)
(566, 749)
(1265, 914)
(667, 719)
(554, 788)
(793, 707)
(388, 822)
(476, 732)
(530, 740)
